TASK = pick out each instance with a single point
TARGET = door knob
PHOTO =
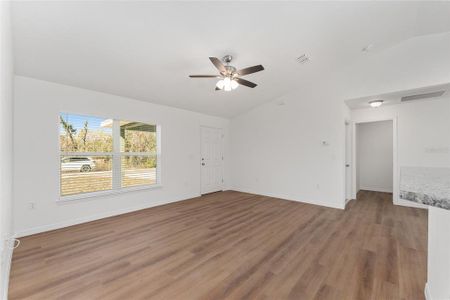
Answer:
(203, 164)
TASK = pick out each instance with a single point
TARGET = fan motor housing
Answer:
(227, 59)
(230, 70)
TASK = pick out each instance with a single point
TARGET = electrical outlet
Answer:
(31, 205)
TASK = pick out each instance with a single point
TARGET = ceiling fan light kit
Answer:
(229, 75)
(227, 84)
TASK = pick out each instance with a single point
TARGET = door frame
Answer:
(395, 171)
(200, 157)
(348, 144)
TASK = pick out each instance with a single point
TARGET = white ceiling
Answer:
(146, 50)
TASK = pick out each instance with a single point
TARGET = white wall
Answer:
(6, 141)
(423, 128)
(438, 281)
(36, 110)
(374, 149)
(278, 151)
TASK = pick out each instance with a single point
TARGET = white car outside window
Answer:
(81, 164)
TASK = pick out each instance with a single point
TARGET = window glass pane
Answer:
(138, 170)
(85, 134)
(137, 137)
(82, 174)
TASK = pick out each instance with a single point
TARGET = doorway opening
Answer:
(374, 158)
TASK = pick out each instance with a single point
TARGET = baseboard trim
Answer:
(376, 189)
(59, 225)
(427, 292)
(347, 201)
(289, 198)
(6, 269)
(407, 203)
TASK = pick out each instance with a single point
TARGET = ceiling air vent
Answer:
(303, 59)
(422, 96)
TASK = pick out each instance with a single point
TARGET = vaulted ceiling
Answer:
(146, 50)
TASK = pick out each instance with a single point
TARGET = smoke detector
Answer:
(367, 48)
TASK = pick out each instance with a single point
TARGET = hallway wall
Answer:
(374, 152)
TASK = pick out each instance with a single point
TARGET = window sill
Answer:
(69, 198)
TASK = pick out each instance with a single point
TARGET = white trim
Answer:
(376, 189)
(222, 150)
(407, 203)
(426, 291)
(289, 198)
(86, 153)
(59, 225)
(396, 183)
(158, 155)
(348, 125)
(6, 269)
(347, 201)
(108, 192)
(394, 119)
(354, 191)
(116, 166)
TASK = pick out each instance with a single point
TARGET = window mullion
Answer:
(117, 182)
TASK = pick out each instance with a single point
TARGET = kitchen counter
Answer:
(429, 186)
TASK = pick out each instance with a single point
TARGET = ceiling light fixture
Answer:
(227, 84)
(220, 84)
(376, 103)
(230, 77)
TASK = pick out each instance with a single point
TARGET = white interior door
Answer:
(211, 160)
(348, 161)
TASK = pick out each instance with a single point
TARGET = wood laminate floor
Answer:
(232, 245)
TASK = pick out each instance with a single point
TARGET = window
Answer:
(99, 155)
(138, 153)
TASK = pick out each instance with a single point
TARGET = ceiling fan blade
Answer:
(245, 82)
(218, 64)
(204, 76)
(250, 70)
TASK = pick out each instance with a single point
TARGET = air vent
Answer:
(422, 96)
(303, 59)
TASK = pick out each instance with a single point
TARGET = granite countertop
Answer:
(430, 186)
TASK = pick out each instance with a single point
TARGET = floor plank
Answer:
(232, 245)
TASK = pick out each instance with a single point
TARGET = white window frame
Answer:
(116, 167)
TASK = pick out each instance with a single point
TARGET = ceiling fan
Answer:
(230, 77)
